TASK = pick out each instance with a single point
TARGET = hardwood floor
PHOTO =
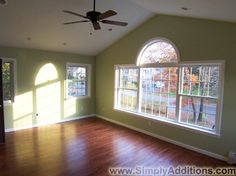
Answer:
(88, 147)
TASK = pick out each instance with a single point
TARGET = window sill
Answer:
(77, 98)
(171, 123)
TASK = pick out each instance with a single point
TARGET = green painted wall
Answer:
(48, 98)
(196, 40)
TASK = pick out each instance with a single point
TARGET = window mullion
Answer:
(168, 95)
(160, 99)
(118, 87)
(152, 91)
(179, 88)
(139, 95)
(208, 81)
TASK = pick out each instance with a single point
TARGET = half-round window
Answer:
(159, 51)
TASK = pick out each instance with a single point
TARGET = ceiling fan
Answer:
(95, 17)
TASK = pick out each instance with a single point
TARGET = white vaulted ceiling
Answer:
(39, 23)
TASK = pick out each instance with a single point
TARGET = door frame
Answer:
(2, 126)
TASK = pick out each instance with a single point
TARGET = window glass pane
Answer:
(7, 80)
(127, 99)
(214, 81)
(77, 81)
(200, 81)
(129, 78)
(158, 52)
(158, 91)
(198, 111)
(127, 89)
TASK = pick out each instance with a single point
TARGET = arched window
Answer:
(158, 51)
(160, 87)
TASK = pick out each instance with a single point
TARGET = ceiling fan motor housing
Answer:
(93, 15)
(3, 2)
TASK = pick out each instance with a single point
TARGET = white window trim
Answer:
(89, 68)
(190, 127)
(13, 60)
(220, 63)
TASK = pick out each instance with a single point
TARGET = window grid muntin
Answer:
(197, 123)
(124, 100)
(201, 81)
(181, 94)
(161, 93)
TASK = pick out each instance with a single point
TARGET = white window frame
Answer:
(14, 82)
(220, 63)
(88, 77)
(117, 82)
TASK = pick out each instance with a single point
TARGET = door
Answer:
(2, 128)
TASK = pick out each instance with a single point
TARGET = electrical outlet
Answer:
(232, 157)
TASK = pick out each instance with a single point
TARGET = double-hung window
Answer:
(78, 80)
(8, 80)
(127, 88)
(162, 88)
(200, 94)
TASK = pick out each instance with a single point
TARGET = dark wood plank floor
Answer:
(88, 147)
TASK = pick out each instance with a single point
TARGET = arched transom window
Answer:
(158, 51)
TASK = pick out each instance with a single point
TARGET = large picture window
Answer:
(162, 88)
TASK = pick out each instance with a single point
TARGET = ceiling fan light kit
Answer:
(95, 17)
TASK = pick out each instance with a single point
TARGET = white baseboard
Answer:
(60, 121)
(205, 152)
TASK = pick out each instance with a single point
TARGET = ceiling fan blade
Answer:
(73, 13)
(74, 22)
(107, 14)
(119, 23)
(96, 26)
